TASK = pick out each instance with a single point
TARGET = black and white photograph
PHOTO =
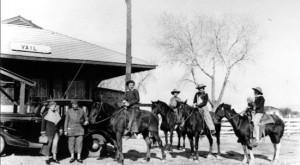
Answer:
(131, 82)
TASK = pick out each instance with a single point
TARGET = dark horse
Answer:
(115, 120)
(194, 124)
(243, 130)
(169, 122)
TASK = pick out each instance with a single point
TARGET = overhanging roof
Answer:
(15, 76)
(63, 48)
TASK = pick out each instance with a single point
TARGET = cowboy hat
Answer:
(129, 81)
(258, 89)
(175, 91)
(199, 86)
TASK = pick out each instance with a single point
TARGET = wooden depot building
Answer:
(38, 64)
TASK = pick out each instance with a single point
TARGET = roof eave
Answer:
(19, 57)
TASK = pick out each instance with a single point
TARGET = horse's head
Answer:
(157, 107)
(94, 113)
(224, 110)
(184, 110)
(100, 111)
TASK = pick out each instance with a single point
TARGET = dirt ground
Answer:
(135, 151)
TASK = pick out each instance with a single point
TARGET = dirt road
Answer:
(135, 150)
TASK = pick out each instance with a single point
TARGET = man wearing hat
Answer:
(259, 103)
(200, 101)
(131, 101)
(74, 121)
(174, 99)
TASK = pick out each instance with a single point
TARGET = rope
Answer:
(236, 115)
(75, 76)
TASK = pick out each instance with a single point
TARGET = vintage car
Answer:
(23, 130)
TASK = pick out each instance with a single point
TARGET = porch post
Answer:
(22, 98)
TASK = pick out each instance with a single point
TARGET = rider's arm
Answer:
(204, 101)
(195, 98)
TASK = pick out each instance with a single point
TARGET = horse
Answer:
(169, 122)
(243, 127)
(195, 126)
(115, 121)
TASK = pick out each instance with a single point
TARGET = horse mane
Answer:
(166, 106)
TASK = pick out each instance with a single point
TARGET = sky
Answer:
(103, 22)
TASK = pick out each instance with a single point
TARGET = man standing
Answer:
(200, 101)
(75, 119)
(259, 104)
(131, 101)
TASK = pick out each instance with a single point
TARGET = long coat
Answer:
(74, 122)
(50, 128)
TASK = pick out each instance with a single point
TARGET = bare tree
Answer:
(207, 45)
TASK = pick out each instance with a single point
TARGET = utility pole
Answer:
(128, 42)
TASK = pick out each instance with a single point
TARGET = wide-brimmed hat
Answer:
(51, 103)
(129, 81)
(175, 91)
(258, 89)
(199, 86)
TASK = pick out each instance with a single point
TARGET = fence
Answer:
(292, 126)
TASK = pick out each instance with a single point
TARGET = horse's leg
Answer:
(246, 158)
(115, 143)
(171, 140)
(191, 143)
(156, 136)
(210, 139)
(119, 141)
(252, 159)
(148, 142)
(179, 136)
(196, 146)
(183, 143)
(218, 131)
(276, 151)
(166, 139)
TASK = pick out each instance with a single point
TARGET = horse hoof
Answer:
(210, 156)
(147, 159)
(218, 157)
(164, 156)
(245, 161)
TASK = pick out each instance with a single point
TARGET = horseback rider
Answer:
(173, 101)
(258, 109)
(130, 102)
(200, 101)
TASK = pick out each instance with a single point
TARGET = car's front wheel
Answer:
(96, 148)
(2, 145)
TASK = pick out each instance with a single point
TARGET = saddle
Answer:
(265, 119)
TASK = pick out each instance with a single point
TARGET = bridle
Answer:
(234, 116)
(188, 115)
(109, 117)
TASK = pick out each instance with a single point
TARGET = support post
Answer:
(22, 98)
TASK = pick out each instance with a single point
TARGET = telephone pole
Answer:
(128, 42)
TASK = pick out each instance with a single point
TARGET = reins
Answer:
(98, 122)
(189, 116)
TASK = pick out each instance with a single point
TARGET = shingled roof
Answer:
(62, 48)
